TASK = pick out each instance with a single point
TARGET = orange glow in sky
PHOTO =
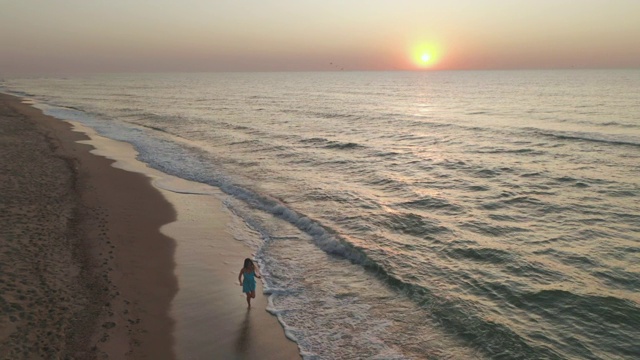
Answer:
(329, 35)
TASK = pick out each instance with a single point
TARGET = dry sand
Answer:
(86, 273)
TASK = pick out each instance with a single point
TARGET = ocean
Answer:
(408, 215)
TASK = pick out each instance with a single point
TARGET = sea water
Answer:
(408, 215)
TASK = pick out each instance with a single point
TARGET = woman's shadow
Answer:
(242, 341)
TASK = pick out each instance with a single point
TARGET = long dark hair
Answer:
(248, 264)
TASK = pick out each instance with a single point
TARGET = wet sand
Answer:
(85, 271)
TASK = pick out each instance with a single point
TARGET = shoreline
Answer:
(118, 266)
(113, 266)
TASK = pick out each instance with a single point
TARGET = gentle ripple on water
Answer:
(410, 215)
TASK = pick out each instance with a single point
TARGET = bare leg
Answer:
(249, 300)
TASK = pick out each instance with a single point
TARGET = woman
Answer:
(249, 283)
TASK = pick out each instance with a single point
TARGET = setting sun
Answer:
(425, 55)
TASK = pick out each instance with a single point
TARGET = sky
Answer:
(40, 36)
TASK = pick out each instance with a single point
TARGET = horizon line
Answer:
(44, 73)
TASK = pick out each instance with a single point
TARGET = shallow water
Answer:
(409, 215)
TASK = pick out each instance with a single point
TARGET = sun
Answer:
(425, 55)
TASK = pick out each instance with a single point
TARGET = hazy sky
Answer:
(230, 35)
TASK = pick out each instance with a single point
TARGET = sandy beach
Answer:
(85, 270)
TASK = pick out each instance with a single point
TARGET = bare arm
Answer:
(240, 276)
(257, 271)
